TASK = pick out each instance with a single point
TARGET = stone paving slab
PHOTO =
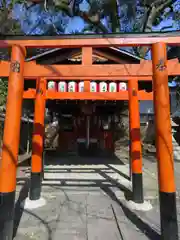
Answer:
(77, 216)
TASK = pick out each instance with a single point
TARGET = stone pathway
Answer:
(86, 202)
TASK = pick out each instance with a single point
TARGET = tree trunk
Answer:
(51, 132)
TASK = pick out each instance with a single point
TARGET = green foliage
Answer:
(63, 5)
(3, 90)
(3, 95)
(177, 79)
(7, 23)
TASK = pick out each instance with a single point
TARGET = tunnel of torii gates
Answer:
(157, 70)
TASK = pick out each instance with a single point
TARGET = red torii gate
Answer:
(158, 70)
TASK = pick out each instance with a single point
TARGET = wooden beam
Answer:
(9, 152)
(108, 56)
(38, 140)
(29, 94)
(164, 146)
(144, 69)
(87, 96)
(115, 70)
(92, 41)
(60, 57)
(94, 56)
(87, 59)
(135, 143)
(102, 78)
(123, 95)
(87, 55)
(143, 95)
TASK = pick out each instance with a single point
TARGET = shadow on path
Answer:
(18, 211)
(132, 216)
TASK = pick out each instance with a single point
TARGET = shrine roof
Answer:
(101, 55)
(154, 34)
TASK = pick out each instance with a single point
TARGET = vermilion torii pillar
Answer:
(8, 163)
(135, 142)
(38, 141)
(164, 148)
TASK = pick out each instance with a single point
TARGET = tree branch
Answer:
(94, 20)
(154, 11)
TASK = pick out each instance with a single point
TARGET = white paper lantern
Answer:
(103, 87)
(122, 86)
(72, 86)
(112, 87)
(52, 85)
(62, 87)
(93, 87)
(81, 87)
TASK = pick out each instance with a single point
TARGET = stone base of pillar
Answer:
(145, 206)
(33, 204)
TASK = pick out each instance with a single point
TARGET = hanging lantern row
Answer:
(73, 86)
